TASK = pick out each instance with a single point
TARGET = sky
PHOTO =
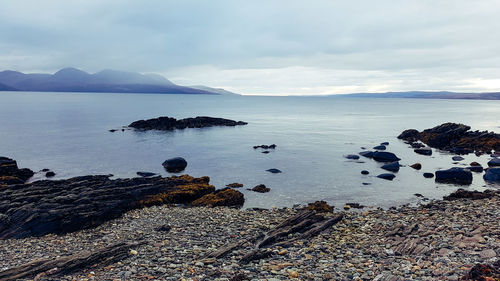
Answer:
(264, 47)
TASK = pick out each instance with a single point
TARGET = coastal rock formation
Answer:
(235, 185)
(467, 194)
(383, 156)
(11, 174)
(261, 188)
(455, 138)
(63, 206)
(175, 165)
(492, 175)
(265, 146)
(222, 197)
(454, 175)
(169, 123)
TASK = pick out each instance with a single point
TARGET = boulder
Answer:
(274, 171)
(260, 188)
(492, 175)
(9, 169)
(393, 167)
(234, 185)
(454, 176)
(409, 135)
(386, 176)
(175, 165)
(380, 147)
(223, 197)
(365, 172)
(352, 156)
(416, 145)
(416, 166)
(495, 162)
(50, 174)
(423, 151)
(383, 156)
(367, 154)
(428, 175)
(477, 169)
(474, 164)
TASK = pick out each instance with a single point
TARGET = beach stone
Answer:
(416, 166)
(492, 175)
(457, 158)
(365, 172)
(50, 174)
(409, 135)
(380, 147)
(423, 151)
(386, 176)
(455, 176)
(393, 167)
(475, 164)
(175, 165)
(428, 175)
(386, 143)
(383, 156)
(352, 156)
(487, 254)
(494, 162)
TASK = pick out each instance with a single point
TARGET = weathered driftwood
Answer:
(304, 225)
(70, 264)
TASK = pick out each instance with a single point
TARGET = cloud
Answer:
(263, 47)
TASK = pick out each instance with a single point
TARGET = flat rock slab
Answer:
(168, 123)
(64, 206)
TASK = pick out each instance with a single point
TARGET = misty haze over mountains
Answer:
(110, 81)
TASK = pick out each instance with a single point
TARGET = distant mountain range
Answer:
(428, 95)
(106, 81)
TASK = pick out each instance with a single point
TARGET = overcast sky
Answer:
(264, 47)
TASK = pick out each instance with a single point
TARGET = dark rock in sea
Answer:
(221, 197)
(386, 143)
(428, 175)
(274, 171)
(352, 156)
(418, 195)
(355, 205)
(234, 185)
(320, 207)
(367, 154)
(50, 174)
(474, 164)
(494, 162)
(417, 145)
(383, 156)
(11, 174)
(266, 151)
(264, 146)
(260, 188)
(63, 206)
(492, 175)
(476, 169)
(366, 183)
(175, 165)
(386, 176)
(169, 123)
(454, 176)
(423, 151)
(457, 158)
(455, 138)
(164, 228)
(416, 166)
(145, 174)
(45, 170)
(393, 167)
(467, 194)
(112, 130)
(380, 147)
(365, 172)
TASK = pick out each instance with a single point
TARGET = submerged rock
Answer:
(169, 123)
(492, 175)
(386, 176)
(260, 188)
(416, 166)
(274, 171)
(393, 167)
(175, 165)
(352, 156)
(467, 194)
(365, 172)
(380, 147)
(455, 176)
(383, 156)
(264, 146)
(367, 154)
(428, 175)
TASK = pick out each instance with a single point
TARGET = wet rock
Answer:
(320, 207)
(352, 156)
(112, 130)
(386, 143)
(393, 167)
(169, 123)
(423, 151)
(409, 135)
(366, 183)
(428, 175)
(474, 164)
(380, 147)
(467, 194)
(274, 171)
(264, 146)
(457, 158)
(416, 145)
(386, 176)
(223, 197)
(265, 152)
(495, 162)
(367, 154)
(365, 172)
(383, 156)
(454, 176)
(476, 169)
(260, 188)
(50, 174)
(9, 170)
(492, 175)
(175, 165)
(145, 174)
(416, 166)
(234, 185)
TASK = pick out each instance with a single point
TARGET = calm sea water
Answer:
(68, 133)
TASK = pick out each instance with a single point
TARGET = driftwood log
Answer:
(70, 264)
(304, 225)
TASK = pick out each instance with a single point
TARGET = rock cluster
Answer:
(169, 123)
(11, 174)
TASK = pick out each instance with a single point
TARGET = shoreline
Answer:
(441, 240)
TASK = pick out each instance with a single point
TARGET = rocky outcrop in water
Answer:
(454, 176)
(169, 123)
(456, 138)
(64, 206)
(175, 165)
(11, 174)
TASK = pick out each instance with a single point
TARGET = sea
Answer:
(68, 133)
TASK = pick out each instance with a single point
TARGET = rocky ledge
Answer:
(169, 123)
(63, 206)
(11, 174)
(455, 138)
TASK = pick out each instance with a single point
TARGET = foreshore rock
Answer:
(63, 206)
(169, 123)
(455, 176)
(455, 138)
(222, 197)
(175, 165)
(383, 156)
(11, 174)
(492, 175)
